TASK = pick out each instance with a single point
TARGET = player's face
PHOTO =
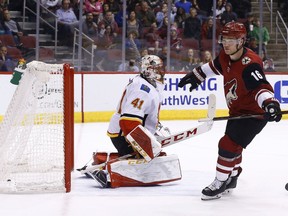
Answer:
(229, 45)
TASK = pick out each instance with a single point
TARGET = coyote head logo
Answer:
(231, 94)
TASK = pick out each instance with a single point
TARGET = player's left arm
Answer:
(255, 80)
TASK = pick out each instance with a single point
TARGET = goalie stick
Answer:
(169, 140)
(237, 117)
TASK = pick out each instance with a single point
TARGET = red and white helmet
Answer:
(233, 30)
(152, 67)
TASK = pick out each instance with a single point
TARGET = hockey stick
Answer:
(169, 140)
(237, 117)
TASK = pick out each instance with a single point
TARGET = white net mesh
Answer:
(32, 132)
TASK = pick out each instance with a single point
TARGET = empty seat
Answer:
(190, 43)
(7, 40)
(28, 41)
(14, 53)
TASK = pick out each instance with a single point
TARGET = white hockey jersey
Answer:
(141, 101)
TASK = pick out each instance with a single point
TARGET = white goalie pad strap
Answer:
(144, 142)
(135, 171)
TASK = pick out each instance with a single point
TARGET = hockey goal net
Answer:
(36, 134)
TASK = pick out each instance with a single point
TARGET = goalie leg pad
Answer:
(102, 157)
(138, 172)
(144, 142)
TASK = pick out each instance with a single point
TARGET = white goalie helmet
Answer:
(152, 67)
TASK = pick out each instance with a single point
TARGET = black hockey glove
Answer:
(272, 110)
(195, 78)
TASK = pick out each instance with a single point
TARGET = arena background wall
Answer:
(97, 95)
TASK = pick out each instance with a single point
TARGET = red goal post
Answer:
(37, 131)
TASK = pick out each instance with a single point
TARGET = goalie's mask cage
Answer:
(152, 67)
(36, 134)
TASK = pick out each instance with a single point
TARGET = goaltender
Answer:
(132, 129)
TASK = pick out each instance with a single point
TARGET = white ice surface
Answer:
(260, 190)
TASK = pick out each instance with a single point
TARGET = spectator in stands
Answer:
(249, 25)
(190, 61)
(263, 33)
(94, 7)
(186, 5)
(153, 36)
(105, 41)
(6, 61)
(51, 4)
(133, 46)
(161, 14)
(180, 17)
(146, 15)
(108, 20)
(114, 6)
(192, 25)
(105, 8)
(67, 21)
(228, 15)
(207, 29)
(162, 31)
(130, 66)
(3, 5)
(283, 8)
(220, 8)
(12, 27)
(241, 8)
(175, 40)
(207, 56)
(133, 23)
(268, 65)
(89, 27)
(201, 14)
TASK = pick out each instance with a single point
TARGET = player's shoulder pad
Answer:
(253, 75)
(145, 88)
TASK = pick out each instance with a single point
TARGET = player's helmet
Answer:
(233, 30)
(152, 67)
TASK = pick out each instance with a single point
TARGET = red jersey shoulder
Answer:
(250, 57)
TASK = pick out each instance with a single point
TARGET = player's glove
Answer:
(272, 110)
(195, 78)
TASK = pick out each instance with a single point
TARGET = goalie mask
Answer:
(152, 68)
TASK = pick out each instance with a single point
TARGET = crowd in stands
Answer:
(147, 24)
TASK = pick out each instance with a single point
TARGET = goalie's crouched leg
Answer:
(138, 172)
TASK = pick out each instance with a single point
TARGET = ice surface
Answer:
(260, 190)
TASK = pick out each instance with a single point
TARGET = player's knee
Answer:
(228, 148)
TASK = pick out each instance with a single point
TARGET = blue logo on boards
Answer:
(281, 91)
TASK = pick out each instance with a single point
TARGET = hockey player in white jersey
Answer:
(132, 130)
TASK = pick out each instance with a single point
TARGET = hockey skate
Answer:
(101, 177)
(232, 182)
(214, 190)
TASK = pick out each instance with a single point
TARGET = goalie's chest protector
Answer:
(139, 100)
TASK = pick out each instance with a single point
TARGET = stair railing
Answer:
(43, 8)
(90, 50)
(280, 24)
(270, 8)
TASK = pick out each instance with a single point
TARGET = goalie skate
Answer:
(214, 190)
(100, 176)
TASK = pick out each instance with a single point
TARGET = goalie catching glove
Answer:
(272, 110)
(195, 78)
(144, 143)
